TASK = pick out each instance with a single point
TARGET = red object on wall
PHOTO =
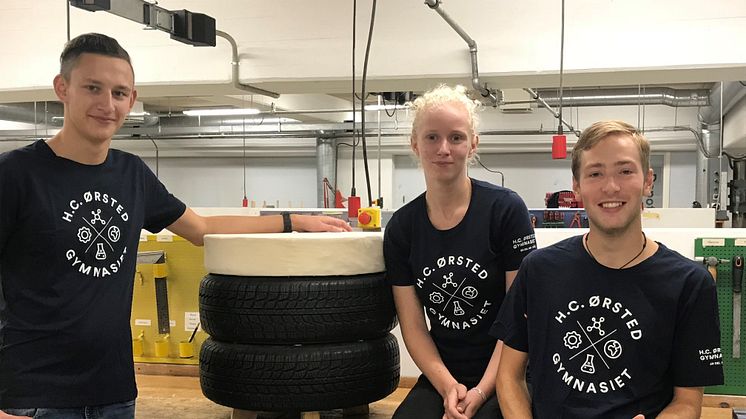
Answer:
(338, 200)
(559, 147)
(353, 204)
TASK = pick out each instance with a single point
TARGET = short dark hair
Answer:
(92, 43)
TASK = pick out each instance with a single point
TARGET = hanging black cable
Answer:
(396, 102)
(354, 17)
(362, 105)
(156, 155)
(502, 175)
(68, 20)
(336, 158)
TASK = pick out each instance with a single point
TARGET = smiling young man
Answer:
(612, 323)
(71, 213)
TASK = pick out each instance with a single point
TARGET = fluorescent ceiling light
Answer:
(221, 112)
(384, 107)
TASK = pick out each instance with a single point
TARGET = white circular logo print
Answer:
(97, 220)
(595, 335)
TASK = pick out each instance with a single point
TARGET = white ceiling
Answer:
(302, 49)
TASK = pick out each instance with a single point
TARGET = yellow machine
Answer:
(165, 302)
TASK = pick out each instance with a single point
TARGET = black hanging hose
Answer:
(362, 101)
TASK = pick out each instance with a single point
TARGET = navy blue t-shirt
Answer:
(68, 244)
(611, 343)
(459, 274)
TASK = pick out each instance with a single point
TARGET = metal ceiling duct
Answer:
(628, 96)
(733, 91)
(38, 113)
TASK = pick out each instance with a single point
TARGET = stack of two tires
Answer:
(293, 326)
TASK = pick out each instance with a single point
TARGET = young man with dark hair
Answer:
(612, 323)
(71, 213)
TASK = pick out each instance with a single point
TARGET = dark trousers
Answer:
(424, 402)
(124, 410)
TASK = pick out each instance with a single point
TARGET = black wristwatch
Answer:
(287, 225)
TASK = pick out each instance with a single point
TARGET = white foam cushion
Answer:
(294, 254)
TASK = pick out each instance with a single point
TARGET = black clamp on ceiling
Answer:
(196, 29)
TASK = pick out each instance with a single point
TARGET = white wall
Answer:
(218, 182)
(344, 175)
(209, 172)
(531, 175)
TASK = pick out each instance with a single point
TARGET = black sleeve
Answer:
(396, 248)
(697, 358)
(511, 324)
(161, 208)
(515, 238)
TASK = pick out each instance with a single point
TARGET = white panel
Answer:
(408, 180)
(678, 217)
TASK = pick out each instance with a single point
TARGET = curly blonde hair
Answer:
(443, 94)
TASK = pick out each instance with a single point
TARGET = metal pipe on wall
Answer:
(235, 63)
(326, 159)
(706, 157)
(627, 96)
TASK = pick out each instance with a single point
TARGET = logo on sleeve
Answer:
(525, 243)
(597, 334)
(453, 292)
(711, 357)
(98, 219)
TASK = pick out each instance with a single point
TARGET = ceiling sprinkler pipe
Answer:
(494, 95)
(235, 63)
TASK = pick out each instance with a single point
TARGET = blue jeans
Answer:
(124, 410)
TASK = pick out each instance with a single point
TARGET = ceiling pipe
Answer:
(495, 96)
(733, 92)
(627, 96)
(38, 113)
(235, 63)
(305, 133)
(556, 114)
